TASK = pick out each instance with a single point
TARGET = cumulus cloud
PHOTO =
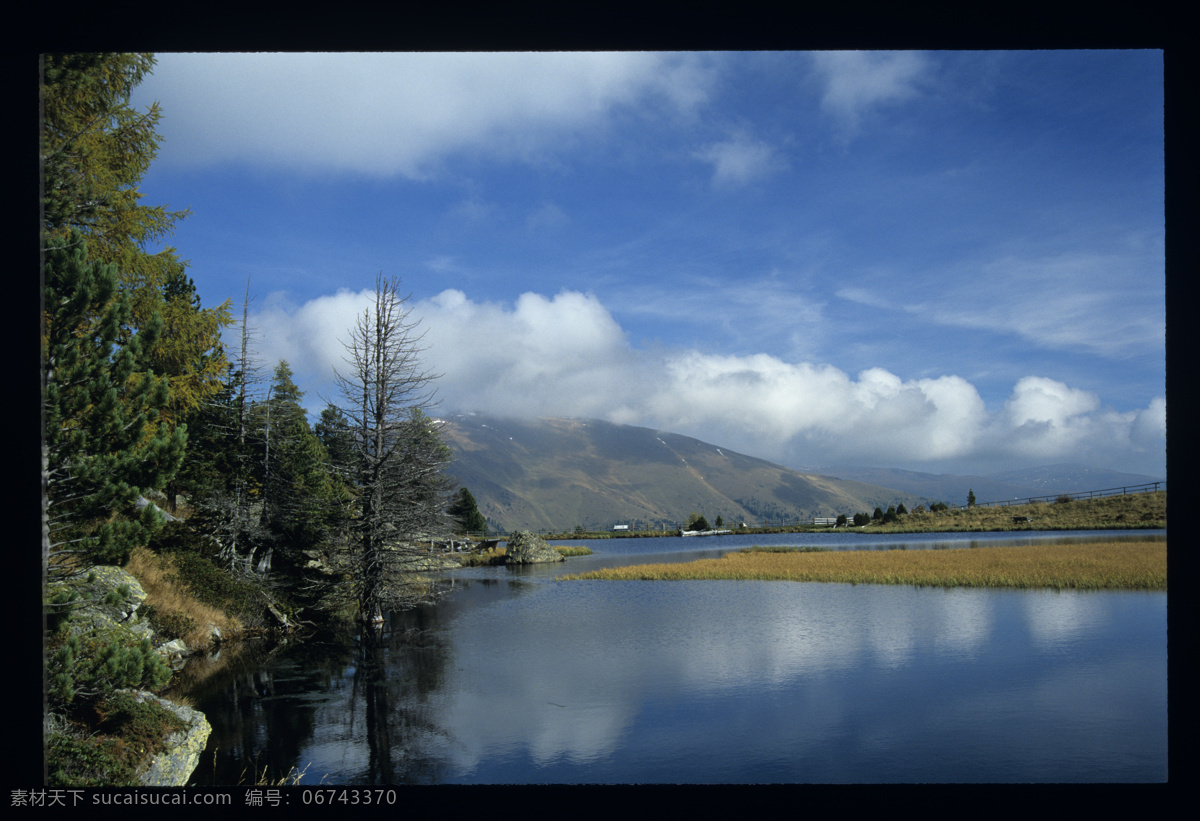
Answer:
(1046, 420)
(856, 82)
(401, 114)
(567, 356)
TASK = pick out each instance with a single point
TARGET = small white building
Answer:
(620, 527)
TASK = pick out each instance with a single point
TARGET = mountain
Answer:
(557, 473)
(1074, 478)
(1017, 484)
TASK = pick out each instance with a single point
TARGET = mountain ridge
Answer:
(559, 473)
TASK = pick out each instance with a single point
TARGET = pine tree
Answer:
(95, 149)
(297, 490)
(465, 511)
(333, 430)
(103, 443)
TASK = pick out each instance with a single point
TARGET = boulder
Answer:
(525, 548)
(175, 765)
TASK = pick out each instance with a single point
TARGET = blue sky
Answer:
(940, 261)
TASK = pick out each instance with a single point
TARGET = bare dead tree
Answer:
(398, 455)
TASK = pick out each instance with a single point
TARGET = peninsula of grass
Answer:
(1133, 565)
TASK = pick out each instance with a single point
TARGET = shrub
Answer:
(92, 663)
(127, 731)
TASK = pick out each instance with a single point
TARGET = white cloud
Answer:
(1045, 420)
(740, 160)
(856, 82)
(567, 356)
(1040, 401)
(402, 114)
(564, 355)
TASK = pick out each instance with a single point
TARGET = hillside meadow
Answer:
(1131, 511)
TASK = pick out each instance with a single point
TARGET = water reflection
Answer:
(516, 678)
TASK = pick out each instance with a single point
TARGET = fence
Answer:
(1147, 487)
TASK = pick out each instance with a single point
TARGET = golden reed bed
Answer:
(1125, 565)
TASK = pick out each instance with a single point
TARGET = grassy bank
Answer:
(1130, 512)
(1140, 565)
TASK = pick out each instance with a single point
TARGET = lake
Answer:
(513, 677)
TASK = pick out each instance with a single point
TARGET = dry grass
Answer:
(174, 608)
(1140, 565)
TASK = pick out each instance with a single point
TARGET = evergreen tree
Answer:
(103, 442)
(970, 498)
(465, 511)
(296, 489)
(94, 150)
(215, 468)
(333, 430)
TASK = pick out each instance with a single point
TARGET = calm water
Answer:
(513, 677)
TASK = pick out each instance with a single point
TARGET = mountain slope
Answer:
(559, 473)
(1018, 484)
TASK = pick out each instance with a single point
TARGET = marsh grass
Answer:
(1133, 565)
(496, 555)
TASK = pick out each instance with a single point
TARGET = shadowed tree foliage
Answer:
(297, 486)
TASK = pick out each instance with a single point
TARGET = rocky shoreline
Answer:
(100, 610)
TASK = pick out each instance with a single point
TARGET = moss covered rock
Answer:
(525, 548)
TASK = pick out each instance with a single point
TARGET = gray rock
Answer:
(525, 548)
(175, 651)
(107, 578)
(175, 765)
